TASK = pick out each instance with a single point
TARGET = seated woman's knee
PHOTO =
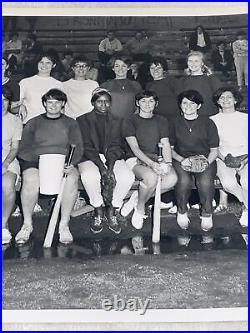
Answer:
(73, 177)
(150, 179)
(90, 176)
(228, 183)
(30, 180)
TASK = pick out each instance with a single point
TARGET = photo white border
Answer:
(229, 316)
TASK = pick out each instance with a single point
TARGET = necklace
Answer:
(122, 84)
(190, 124)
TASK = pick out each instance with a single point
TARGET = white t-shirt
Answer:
(79, 93)
(233, 132)
(31, 91)
(201, 41)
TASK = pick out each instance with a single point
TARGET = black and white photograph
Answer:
(124, 166)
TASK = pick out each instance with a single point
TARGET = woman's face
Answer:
(226, 100)
(189, 108)
(147, 104)
(102, 104)
(120, 68)
(54, 107)
(45, 66)
(5, 104)
(195, 63)
(4, 66)
(156, 71)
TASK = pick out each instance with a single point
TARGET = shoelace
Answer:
(98, 220)
(114, 220)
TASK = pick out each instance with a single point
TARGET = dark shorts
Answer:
(24, 165)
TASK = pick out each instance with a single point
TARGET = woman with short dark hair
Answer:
(193, 134)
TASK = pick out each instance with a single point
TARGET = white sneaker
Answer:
(167, 205)
(24, 234)
(17, 212)
(244, 219)
(183, 220)
(195, 206)
(37, 208)
(183, 240)
(137, 219)
(173, 210)
(65, 236)
(6, 236)
(206, 223)
(130, 204)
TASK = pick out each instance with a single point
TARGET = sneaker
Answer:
(17, 212)
(183, 220)
(244, 219)
(167, 205)
(114, 225)
(6, 236)
(195, 206)
(37, 208)
(173, 210)
(96, 225)
(65, 236)
(24, 234)
(207, 239)
(206, 223)
(137, 219)
(130, 204)
(220, 208)
(183, 240)
(137, 242)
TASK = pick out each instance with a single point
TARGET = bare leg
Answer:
(29, 193)
(8, 196)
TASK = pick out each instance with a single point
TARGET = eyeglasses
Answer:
(81, 66)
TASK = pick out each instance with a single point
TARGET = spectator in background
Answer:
(199, 40)
(240, 53)
(122, 89)
(68, 57)
(138, 47)
(109, 47)
(14, 50)
(222, 59)
(93, 73)
(79, 89)
(164, 87)
(32, 48)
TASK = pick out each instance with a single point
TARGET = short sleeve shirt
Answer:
(193, 138)
(148, 132)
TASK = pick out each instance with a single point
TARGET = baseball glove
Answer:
(234, 161)
(108, 183)
(198, 164)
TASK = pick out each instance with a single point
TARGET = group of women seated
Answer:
(112, 151)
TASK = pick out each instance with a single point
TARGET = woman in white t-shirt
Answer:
(233, 133)
(11, 135)
(33, 88)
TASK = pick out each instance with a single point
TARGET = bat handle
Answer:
(160, 156)
(70, 155)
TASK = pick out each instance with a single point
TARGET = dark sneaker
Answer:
(113, 224)
(96, 225)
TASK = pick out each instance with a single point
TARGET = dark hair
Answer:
(54, 94)
(236, 94)
(112, 31)
(7, 93)
(45, 55)
(159, 60)
(146, 94)
(80, 58)
(99, 94)
(191, 95)
(124, 58)
(200, 26)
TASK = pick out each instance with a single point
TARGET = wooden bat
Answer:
(157, 204)
(56, 209)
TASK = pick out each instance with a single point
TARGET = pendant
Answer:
(190, 130)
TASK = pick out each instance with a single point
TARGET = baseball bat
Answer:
(56, 209)
(157, 204)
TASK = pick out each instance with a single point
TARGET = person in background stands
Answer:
(109, 47)
(11, 136)
(68, 57)
(222, 59)
(199, 40)
(32, 49)
(138, 47)
(240, 52)
(79, 89)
